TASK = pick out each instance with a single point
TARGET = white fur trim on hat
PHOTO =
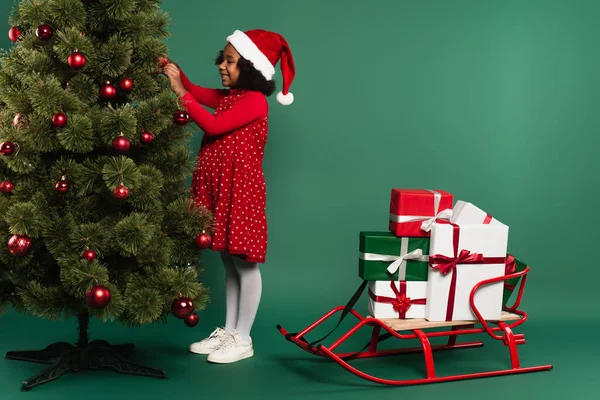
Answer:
(251, 52)
(285, 99)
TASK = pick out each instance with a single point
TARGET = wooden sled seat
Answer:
(419, 323)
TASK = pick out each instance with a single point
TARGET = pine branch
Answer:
(114, 56)
(78, 136)
(64, 166)
(88, 176)
(92, 236)
(133, 233)
(157, 253)
(31, 12)
(72, 39)
(78, 276)
(39, 134)
(121, 170)
(147, 194)
(119, 10)
(112, 121)
(55, 231)
(67, 14)
(24, 219)
(83, 87)
(43, 301)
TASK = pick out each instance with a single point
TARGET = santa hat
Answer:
(264, 49)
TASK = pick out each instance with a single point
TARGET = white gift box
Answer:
(413, 300)
(480, 254)
(468, 213)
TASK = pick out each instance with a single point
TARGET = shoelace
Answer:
(230, 342)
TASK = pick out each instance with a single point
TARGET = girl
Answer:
(229, 179)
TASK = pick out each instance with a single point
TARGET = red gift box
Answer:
(412, 209)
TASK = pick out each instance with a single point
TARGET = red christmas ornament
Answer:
(121, 144)
(182, 308)
(6, 187)
(44, 32)
(14, 33)
(126, 84)
(108, 91)
(89, 255)
(163, 60)
(181, 117)
(62, 186)
(7, 148)
(77, 60)
(147, 137)
(98, 297)
(192, 320)
(19, 245)
(121, 192)
(203, 240)
(59, 120)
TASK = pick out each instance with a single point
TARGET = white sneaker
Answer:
(211, 343)
(232, 350)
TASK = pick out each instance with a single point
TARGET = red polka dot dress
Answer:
(228, 178)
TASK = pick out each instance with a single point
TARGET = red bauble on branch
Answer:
(44, 32)
(203, 240)
(62, 186)
(108, 91)
(182, 307)
(121, 192)
(59, 120)
(126, 85)
(98, 297)
(163, 60)
(77, 60)
(7, 148)
(192, 320)
(89, 255)
(6, 186)
(121, 144)
(19, 245)
(181, 118)
(146, 137)
(14, 33)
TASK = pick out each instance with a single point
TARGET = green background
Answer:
(494, 101)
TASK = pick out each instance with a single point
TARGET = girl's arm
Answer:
(205, 96)
(251, 107)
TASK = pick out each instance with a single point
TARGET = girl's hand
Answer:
(172, 71)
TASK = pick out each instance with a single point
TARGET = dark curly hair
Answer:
(250, 78)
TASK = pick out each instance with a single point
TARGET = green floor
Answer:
(280, 370)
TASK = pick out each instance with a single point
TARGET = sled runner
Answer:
(501, 330)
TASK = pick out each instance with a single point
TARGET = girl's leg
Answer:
(232, 295)
(250, 295)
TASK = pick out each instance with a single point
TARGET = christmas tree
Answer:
(97, 219)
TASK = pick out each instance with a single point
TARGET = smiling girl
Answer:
(229, 178)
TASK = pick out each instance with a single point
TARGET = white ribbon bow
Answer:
(398, 261)
(446, 214)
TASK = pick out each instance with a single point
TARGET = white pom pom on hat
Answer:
(265, 49)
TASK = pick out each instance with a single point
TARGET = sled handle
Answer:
(512, 309)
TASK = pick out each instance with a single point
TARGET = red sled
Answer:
(501, 330)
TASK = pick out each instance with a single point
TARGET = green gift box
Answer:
(407, 256)
(510, 284)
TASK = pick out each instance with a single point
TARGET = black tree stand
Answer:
(86, 355)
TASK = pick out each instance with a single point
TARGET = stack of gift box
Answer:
(432, 256)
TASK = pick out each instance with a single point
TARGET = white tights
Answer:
(243, 284)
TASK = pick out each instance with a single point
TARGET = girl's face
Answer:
(230, 72)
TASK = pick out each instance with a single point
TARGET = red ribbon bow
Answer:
(400, 302)
(446, 264)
